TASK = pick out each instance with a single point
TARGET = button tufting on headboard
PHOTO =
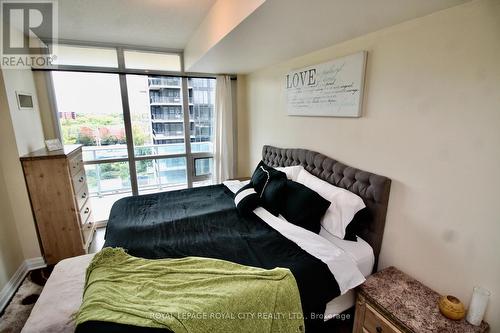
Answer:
(372, 188)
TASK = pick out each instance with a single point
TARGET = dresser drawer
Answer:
(85, 212)
(87, 234)
(376, 323)
(81, 197)
(76, 164)
(79, 180)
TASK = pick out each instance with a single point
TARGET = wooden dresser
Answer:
(59, 198)
(392, 302)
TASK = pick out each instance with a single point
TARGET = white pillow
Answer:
(292, 172)
(344, 205)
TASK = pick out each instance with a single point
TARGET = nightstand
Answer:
(392, 302)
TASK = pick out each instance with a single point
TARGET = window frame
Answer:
(122, 72)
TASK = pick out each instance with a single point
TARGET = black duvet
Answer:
(204, 222)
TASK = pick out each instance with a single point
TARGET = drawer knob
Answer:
(379, 329)
(84, 195)
(81, 179)
(87, 210)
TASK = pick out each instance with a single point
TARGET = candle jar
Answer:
(477, 306)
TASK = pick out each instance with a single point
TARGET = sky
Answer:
(98, 92)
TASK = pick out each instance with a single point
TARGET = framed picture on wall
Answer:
(331, 89)
(53, 144)
(24, 100)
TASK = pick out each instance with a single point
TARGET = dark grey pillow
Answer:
(272, 197)
(360, 221)
(246, 199)
(303, 206)
(263, 174)
(269, 184)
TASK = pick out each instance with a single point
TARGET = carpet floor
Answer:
(18, 310)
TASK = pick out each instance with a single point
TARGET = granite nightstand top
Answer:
(411, 304)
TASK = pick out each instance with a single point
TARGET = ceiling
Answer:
(152, 23)
(283, 29)
(277, 30)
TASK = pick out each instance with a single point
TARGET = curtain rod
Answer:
(131, 72)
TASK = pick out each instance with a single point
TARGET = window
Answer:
(203, 166)
(154, 175)
(86, 56)
(90, 113)
(152, 61)
(201, 110)
(159, 129)
(169, 119)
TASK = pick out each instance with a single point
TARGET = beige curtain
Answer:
(224, 140)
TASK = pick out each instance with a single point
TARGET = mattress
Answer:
(60, 298)
(204, 222)
(62, 294)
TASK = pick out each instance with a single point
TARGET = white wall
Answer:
(46, 105)
(11, 255)
(431, 122)
(27, 123)
(23, 133)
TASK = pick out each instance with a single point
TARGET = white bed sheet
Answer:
(341, 264)
(362, 253)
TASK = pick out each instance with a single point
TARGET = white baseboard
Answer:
(15, 281)
(10, 288)
(101, 224)
(35, 263)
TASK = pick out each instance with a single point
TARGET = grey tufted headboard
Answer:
(372, 188)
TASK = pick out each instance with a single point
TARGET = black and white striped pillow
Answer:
(246, 199)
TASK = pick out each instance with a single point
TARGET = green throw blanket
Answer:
(191, 294)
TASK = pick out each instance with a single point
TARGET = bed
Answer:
(204, 222)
